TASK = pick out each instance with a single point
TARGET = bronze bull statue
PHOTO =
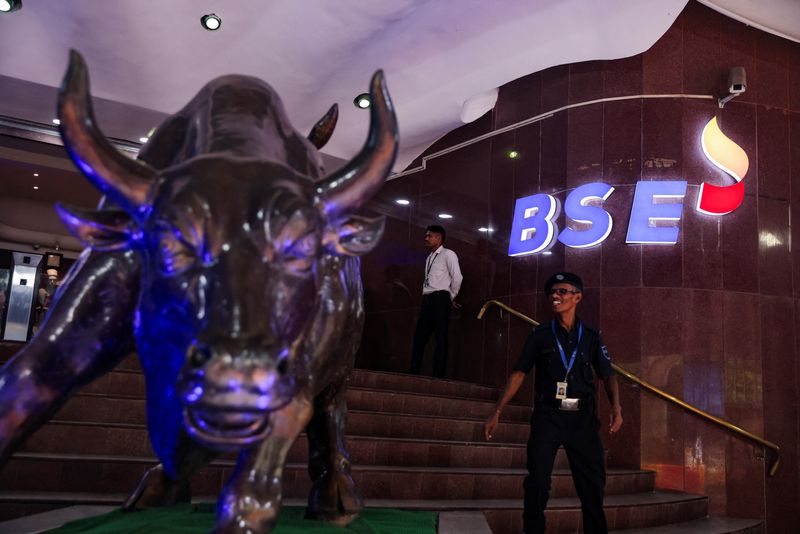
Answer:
(229, 262)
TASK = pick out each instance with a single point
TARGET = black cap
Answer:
(566, 278)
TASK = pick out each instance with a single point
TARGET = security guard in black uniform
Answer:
(567, 355)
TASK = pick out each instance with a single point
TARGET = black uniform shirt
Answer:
(541, 351)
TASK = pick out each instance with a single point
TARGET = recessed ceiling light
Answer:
(485, 230)
(445, 216)
(56, 122)
(362, 101)
(211, 22)
(143, 139)
(6, 6)
(548, 253)
(403, 202)
(36, 174)
(36, 187)
(513, 154)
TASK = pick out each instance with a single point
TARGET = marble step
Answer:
(627, 511)
(642, 510)
(706, 525)
(130, 381)
(132, 439)
(117, 408)
(74, 473)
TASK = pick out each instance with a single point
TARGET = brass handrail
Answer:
(656, 391)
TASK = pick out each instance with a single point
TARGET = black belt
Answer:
(435, 293)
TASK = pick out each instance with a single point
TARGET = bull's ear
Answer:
(99, 230)
(354, 236)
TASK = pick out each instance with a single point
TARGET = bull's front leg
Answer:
(85, 334)
(251, 500)
(334, 496)
(157, 488)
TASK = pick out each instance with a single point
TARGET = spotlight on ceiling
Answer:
(445, 216)
(485, 230)
(7, 6)
(55, 121)
(403, 202)
(362, 101)
(210, 22)
(513, 154)
(143, 139)
(36, 187)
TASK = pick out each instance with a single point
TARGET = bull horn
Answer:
(123, 180)
(323, 129)
(350, 187)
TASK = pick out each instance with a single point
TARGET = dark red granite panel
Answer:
(623, 77)
(772, 70)
(662, 63)
(774, 244)
(518, 100)
(585, 81)
(704, 67)
(622, 142)
(585, 145)
(774, 164)
(740, 240)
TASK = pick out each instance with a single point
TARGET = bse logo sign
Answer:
(656, 210)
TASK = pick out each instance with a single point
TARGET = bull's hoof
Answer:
(341, 520)
(156, 489)
(244, 516)
(334, 499)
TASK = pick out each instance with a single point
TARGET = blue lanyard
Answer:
(561, 349)
(430, 263)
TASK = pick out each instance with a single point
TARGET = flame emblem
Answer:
(729, 157)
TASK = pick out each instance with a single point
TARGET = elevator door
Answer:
(20, 301)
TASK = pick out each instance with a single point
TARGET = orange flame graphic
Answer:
(729, 157)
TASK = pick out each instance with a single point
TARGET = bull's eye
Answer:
(300, 255)
(175, 256)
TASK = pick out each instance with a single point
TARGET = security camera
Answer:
(737, 81)
(737, 84)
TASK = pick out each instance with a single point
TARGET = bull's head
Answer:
(230, 246)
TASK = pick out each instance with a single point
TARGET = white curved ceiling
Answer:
(437, 54)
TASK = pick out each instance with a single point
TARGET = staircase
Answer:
(415, 442)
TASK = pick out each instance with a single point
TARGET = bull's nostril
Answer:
(198, 356)
(283, 366)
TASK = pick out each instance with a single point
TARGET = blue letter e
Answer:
(533, 229)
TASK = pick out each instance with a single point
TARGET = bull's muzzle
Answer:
(229, 396)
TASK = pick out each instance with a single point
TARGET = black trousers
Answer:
(578, 433)
(434, 316)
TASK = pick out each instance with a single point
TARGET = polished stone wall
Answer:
(714, 319)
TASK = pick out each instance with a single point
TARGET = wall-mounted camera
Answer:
(737, 84)
(737, 80)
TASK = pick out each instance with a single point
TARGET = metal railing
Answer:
(660, 393)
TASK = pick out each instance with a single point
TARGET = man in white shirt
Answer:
(442, 282)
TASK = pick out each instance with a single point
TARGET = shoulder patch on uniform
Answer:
(606, 355)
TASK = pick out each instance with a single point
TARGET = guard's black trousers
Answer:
(434, 316)
(578, 433)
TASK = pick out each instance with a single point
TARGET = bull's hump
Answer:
(233, 115)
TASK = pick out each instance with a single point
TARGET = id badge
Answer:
(561, 390)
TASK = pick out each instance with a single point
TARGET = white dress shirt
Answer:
(442, 272)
